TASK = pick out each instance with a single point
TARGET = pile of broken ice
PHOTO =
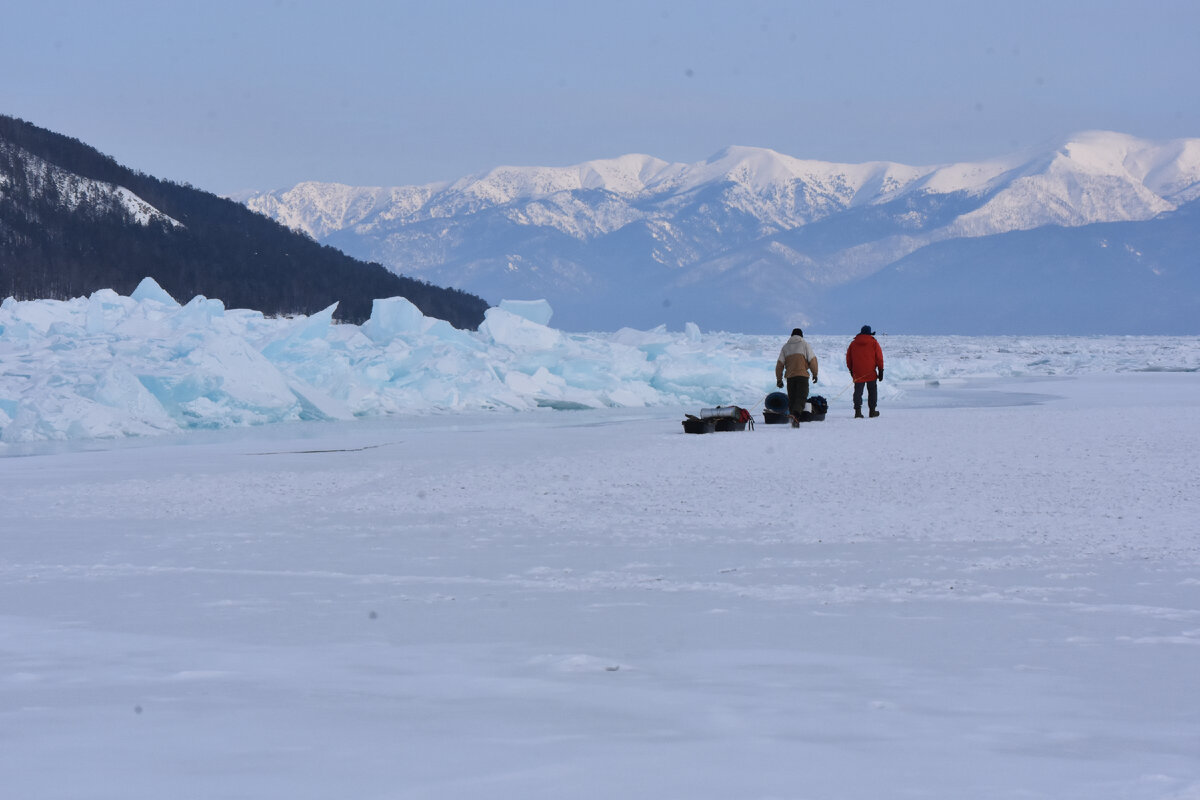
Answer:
(108, 365)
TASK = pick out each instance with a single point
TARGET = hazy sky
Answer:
(262, 94)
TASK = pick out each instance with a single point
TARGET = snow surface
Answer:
(991, 591)
(108, 366)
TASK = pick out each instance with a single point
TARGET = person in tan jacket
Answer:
(798, 362)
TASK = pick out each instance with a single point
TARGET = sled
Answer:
(721, 418)
(775, 409)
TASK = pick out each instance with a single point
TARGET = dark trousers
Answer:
(797, 389)
(872, 394)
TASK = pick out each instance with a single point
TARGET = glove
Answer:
(881, 373)
(779, 384)
(814, 380)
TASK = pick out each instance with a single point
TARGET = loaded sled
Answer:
(721, 418)
(776, 412)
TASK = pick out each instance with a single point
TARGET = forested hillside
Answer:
(73, 220)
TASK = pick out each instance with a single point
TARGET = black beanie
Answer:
(797, 332)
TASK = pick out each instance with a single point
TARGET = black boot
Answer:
(874, 413)
(858, 413)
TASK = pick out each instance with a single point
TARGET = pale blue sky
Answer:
(262, 94)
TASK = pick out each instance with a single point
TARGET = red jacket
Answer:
(864, 356)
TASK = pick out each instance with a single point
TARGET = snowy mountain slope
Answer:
(776, 230)
(76, 191)
(1133, 277)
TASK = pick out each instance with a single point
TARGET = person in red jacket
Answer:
(864, 359)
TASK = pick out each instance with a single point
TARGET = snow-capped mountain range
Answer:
(755, 240)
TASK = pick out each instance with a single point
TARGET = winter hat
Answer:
(797, 332)
(867, 330)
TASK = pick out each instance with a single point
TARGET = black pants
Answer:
(797, 389)
(872, 395)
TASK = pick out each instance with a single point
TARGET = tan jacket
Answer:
(796, 359)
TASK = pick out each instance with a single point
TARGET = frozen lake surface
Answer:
(991, 591)
(107, 366)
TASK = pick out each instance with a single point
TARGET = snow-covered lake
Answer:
(108, 366)
(991, 591)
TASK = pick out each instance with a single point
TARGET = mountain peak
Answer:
(756, 167)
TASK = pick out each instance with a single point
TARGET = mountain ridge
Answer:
(644, 177)
(768, 234)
